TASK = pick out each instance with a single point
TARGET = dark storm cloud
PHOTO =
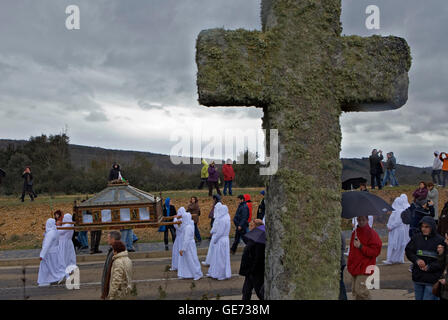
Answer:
(140, 56)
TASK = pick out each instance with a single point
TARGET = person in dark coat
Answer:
(168, 211)
(213, 178)
(261, 208)
(115, 172)
(28, 182)
(422, 252)
(252, 267)
(241, 222)
(105, 278)
(442, 226)
(419, 209)
(376, 169)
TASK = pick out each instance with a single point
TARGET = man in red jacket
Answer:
(365, 246)
(229, 175)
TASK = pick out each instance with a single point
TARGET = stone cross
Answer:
(303, 74)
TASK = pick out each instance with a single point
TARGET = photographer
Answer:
(376, 168)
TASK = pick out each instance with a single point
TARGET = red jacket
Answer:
(360, 259)
(249, 205)
(227, 171)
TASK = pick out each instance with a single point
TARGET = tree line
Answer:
(53, 171)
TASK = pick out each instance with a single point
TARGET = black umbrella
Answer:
(258, 235)
(353, 183)
(359, 203)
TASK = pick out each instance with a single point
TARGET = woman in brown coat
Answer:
(195, 212)
(121, 273)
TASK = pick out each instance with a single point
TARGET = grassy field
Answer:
(22, 224)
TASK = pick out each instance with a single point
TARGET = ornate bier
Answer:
(119, 206)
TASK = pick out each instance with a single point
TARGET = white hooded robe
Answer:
(51, 268)
(399, 234)
(189, 266)
(220, 257)
(67, 253)
(210, 251)
(176, 245)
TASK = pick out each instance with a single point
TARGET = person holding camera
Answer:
(376, 168)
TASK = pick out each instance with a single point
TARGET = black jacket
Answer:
(261, 210)
(173, 211)
(242, 216)
(417, 214)
(375, 164)
(425, 248)
(252, 260)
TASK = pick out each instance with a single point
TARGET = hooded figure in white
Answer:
(66, 248)
(51, 268)
(220, 258)
(189, 266)
(211, 251)
(398, 232)
(176, 245)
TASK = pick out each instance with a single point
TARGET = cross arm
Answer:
(231, 67)
(372, 73)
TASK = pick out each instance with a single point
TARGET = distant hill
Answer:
(82, 156)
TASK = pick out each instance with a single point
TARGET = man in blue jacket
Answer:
(241, 222)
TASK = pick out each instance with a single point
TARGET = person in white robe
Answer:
(66, 248)
(51, 268)
(188, 266)
(211, 244)
(398, 232)
(220, 262)
(176, 245)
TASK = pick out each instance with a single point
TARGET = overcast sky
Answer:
(127, 78)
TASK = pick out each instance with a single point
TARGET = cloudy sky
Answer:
(127, 79)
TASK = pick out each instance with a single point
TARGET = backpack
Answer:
(407, 216)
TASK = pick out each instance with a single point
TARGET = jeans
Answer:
(423, 291)
(445, 175)
(197, 234)
(376, 177)
(390, 174)
(342, 290)
(436, 174)
(238, 236)
(126, 237)
(82, 237)
(134, 236)
(228, 184)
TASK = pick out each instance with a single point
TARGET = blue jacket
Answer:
(242, 216)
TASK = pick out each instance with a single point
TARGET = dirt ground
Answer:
(22, 224)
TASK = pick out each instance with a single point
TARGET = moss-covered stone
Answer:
(303, 74)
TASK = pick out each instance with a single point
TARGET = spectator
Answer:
(213, 178)
(58, 217)
(398, 233)
(241, 222)
(189, 266)
(195, 211)
(433, 195)
(121, 273)
(204, 174)
(168, 211)
(261, 208)
(437, 169)
(443, 261)
(421, 193)
(249, 205)
(66, 247)
(252, 265)
(390, 171)
(365, 246)
(342, 290)
(376, 168)
(220, 258)
(51, 268)
(28, 182)
(442, 226)
(419, 209)
(112, 237)
(229, 176)
(422, 252)
(444, 167)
